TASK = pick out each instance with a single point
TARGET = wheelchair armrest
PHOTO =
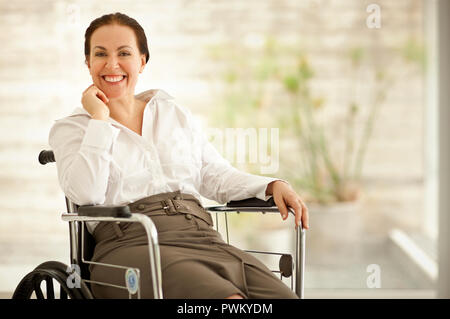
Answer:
(252, 202)
(104, 211)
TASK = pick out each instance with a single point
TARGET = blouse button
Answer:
(141, 206)
(188, 216)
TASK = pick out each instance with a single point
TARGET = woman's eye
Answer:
(120, 54)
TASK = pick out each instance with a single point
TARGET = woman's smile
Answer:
(114, 80)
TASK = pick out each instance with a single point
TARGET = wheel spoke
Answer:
(50, 291)
(37, 287)
(62, 293)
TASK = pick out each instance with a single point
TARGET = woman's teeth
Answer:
(114, 78)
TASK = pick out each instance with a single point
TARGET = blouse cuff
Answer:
(261, 191)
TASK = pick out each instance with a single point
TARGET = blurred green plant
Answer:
(276, 80)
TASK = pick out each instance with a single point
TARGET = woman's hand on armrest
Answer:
(285, 196)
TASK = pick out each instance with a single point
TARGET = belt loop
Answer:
(180, 196)
(177, 195)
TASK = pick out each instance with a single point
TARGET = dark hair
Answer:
(120, 19)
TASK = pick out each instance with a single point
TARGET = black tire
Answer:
(50, 272)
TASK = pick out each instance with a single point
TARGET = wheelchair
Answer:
(74, 281)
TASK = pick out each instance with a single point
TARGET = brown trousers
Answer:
(195, 261)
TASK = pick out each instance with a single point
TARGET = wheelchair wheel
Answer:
(54, 277)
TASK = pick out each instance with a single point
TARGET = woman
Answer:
(122, 148)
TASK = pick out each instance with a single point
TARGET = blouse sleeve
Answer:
(83, 155)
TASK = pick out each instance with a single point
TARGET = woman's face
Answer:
(115, 61)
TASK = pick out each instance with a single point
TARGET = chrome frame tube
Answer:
(226, 227)
(72, 208)
(300, 261)
(73, 242)
(300, 240)
(152, 237)
(138, 271)
(300, 236)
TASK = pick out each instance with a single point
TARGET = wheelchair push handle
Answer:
(46, 157)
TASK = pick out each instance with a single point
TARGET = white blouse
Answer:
(105, 163)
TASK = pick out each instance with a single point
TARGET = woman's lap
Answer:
(195, 262)
(190, 278)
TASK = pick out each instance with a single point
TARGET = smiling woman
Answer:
(118, 150)
(115, 63)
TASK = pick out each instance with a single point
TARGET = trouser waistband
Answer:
(164, 204)
(163, 198)
(171, 203)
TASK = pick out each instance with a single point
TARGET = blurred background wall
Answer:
(348, 64)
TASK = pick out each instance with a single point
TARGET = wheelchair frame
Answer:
(154, 255)
(300, 240)
(155, 264)
(79, 215)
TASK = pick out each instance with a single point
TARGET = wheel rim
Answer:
(31, 285)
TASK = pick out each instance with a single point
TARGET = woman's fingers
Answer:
(305, 215)
(95, 102)
(300, 209)
(281, 207)
(102, 96)
(295, 204)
